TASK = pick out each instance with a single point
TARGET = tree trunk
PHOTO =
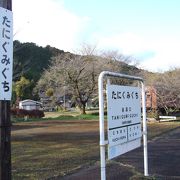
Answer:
(83, 108)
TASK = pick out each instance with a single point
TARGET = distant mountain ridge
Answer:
(30, 60)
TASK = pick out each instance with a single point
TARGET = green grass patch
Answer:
(61, 117)
(76, 117)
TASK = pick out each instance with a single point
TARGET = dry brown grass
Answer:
(52, 148)
(155, 128)
(45, 149)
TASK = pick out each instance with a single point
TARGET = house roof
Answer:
(29, 100)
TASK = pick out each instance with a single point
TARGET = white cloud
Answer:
(167, 54)
(154, 53)
(128, 43)
(46, 22)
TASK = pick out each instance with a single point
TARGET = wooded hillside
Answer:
(50, 69)
(30, 60)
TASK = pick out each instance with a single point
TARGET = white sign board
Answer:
(124, 119)
(6, 53)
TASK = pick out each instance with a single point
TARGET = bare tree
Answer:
(168, 90)
(77, 73)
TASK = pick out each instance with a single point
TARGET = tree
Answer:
(21, 87)
(29, 61)
(117, 62)
(77, 73)
(49, 92)
(168, 91)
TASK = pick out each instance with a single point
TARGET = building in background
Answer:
(151, 98)
(29, 104)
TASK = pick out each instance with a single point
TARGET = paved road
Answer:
(164, 162)
(163, 155)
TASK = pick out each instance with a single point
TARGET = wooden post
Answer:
(5, 125)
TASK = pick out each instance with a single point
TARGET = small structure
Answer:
(29, 104)
(151, 98)
(167, 118)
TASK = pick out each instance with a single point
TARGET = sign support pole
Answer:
(5, 125)
(101, 126)
(103, 142)
(144, 131)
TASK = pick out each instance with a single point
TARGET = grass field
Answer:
(51, 148)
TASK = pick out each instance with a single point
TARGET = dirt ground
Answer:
(163, 156)
(69, 150)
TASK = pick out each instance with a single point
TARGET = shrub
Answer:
(36, 113)
(152, 114)
(14, 112)
(21, 113)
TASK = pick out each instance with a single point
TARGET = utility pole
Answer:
(5, 124)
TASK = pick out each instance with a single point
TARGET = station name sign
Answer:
(124, 119)
(6, 53)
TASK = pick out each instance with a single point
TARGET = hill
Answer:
(30, 60)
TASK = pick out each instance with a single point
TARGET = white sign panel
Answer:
(6, 53)
(124, 119)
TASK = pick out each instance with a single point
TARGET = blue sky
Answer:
(148, 30)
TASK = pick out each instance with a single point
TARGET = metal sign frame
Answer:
(104, 142)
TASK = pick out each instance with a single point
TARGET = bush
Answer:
(152, 114)
(36, 114)
(21, 113)
(13, 112)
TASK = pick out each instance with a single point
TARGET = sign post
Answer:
(6, 64)
(124, 119)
